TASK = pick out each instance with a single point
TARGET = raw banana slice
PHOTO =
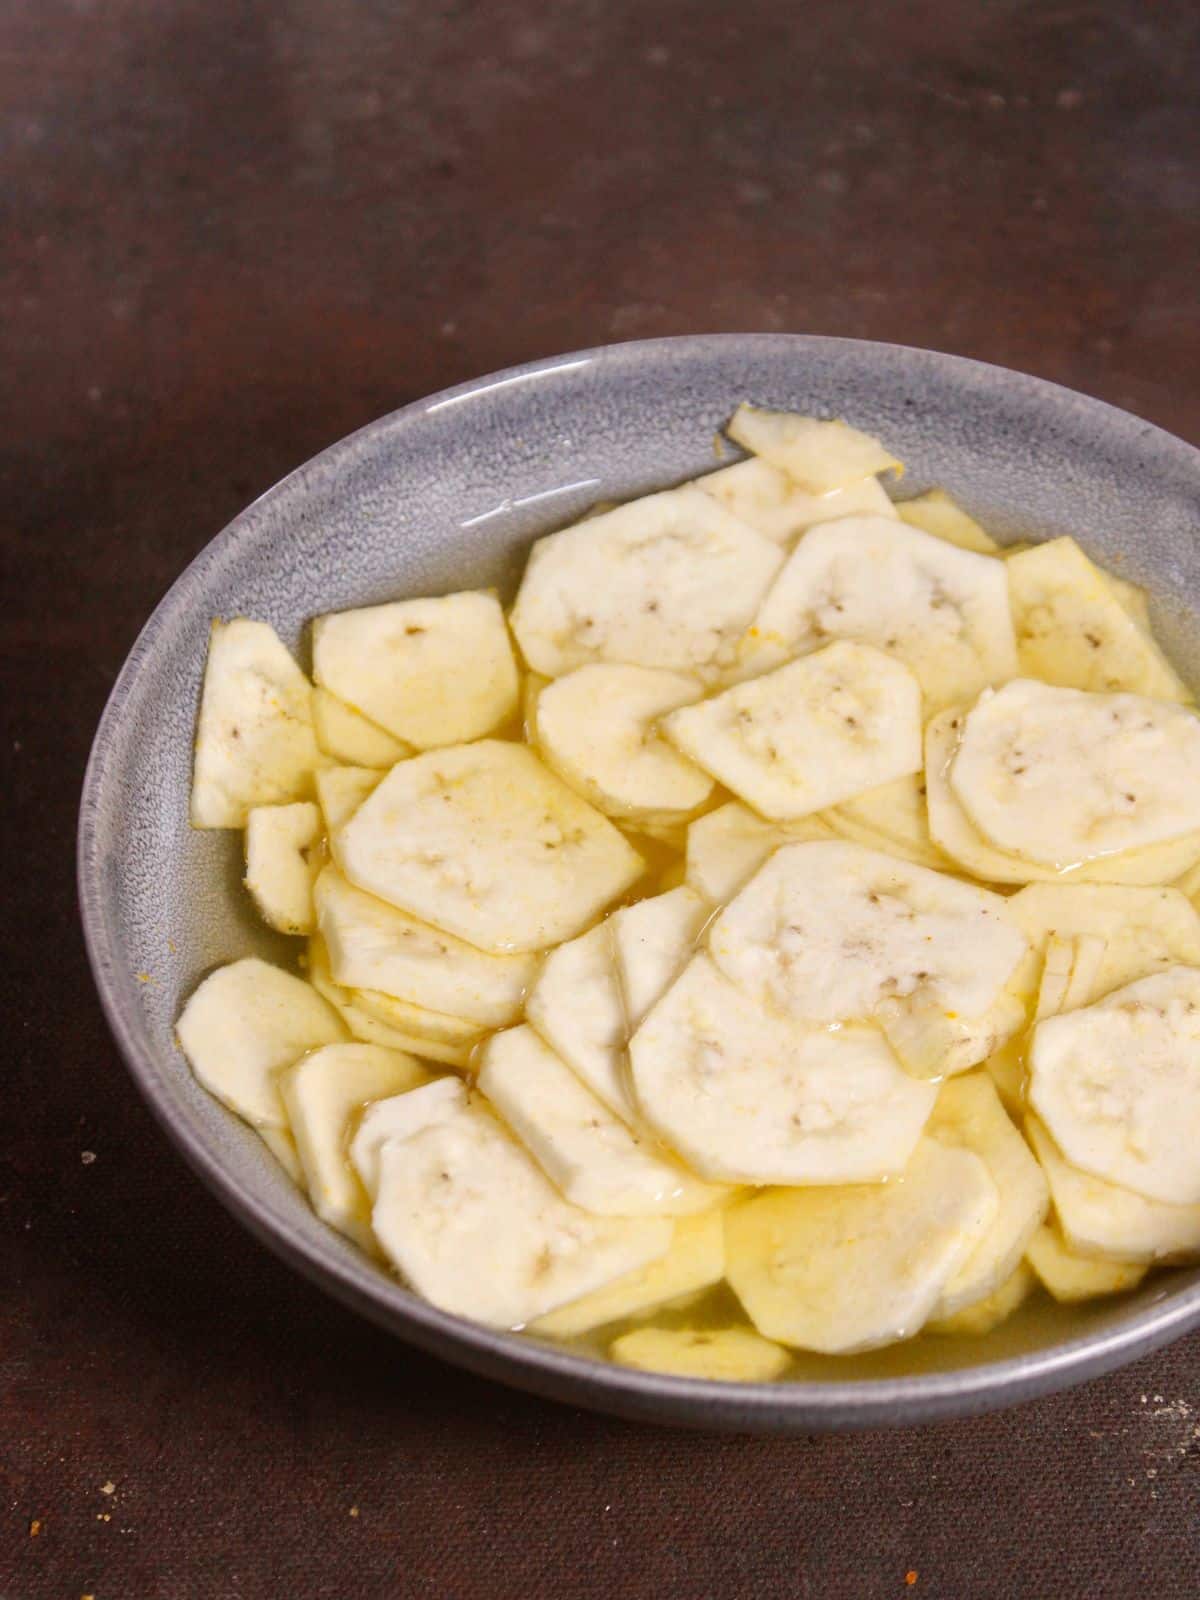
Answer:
(652, 942)
(429, 672)
(1059, 776)
(597, 728)
(838, 1270)
(1070, 974)
(283, 1147)
(992, 1309)
(844, 719)
(369, 1029)
(1071, 1277)
(243, 1024)
(695, 1261)
(746, 1096)
(398, 1117)
(1072, 629)
(1131, 599)
(954, 832)
(254, 738)
(933, 1042)
(969, 1115)
(895, 812)
(726, 847)
(936, 513)
(418, 1022)
(775, 505)
(531, 693)
(1118, 1085)
(1102, 1219)
(483, 841)
(340, 792)
(944, 612)
(472, 1223)
(590, 1155)
(729, 1355)
(321, 1093)
(819, 456)
(828, 932)
(670, 581)
(373, 946)
(575, 1005)
(281, 862)
(351, 739)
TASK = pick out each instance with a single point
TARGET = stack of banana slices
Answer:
(789, 945)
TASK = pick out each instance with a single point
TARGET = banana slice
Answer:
(1072, 629)
(993, 1309)
(340, 792)
(944, 612)
(936, 513)
(895, 813)
(1059, 776)
(418, 1022)
(774, 504)
(1101, 1219)
(281, 862)
(932, 1042)
(1070, 974)
(1141, 930)
(652, 942)
(812, 733)
(369, 1029)
(670, 581)
(321, 1093)
(586, 1152)
(283, 1147)
(1118, 1085)
(828, 932)
(351, 739)
(397, 1117)
(575, 1005)
(969, 1115)
(484, 842)
(728, 1355)
(819, 456)
(726, 847)
(254, 738)
(839, 1270)
(1131, 599)
(471, 1222)
(953, 831)
(597, 728)
(531, 693)
(1071, 1277)
(243, 1024)
(695, 1261)
(746, 1096)
(429, 672)
(373, 946)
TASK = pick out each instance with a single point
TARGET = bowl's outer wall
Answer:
(447, 494)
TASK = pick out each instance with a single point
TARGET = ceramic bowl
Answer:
(447, 494)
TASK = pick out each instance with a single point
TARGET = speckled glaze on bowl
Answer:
(448, 493)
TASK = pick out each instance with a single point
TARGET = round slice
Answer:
(839, 1270)
(1143, 930)
(575, 1004)
(750, 1097)
(727, 846)
(775, 504)
(282, 863)
(732, 1355)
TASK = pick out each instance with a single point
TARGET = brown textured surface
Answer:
(232, 230)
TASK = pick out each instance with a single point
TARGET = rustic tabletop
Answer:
(233, 230)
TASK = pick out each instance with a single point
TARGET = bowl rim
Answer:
(559, 1373)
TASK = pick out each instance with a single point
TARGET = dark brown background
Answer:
(232, 230)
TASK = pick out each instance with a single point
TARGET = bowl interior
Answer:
(447, 494)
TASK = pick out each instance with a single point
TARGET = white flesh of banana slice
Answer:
(819, 456)
(993, 1309)
(597, 728)
(897, 813)
(731, 1355)
(1142, 930)
(726, 847)
(839, 1270)
(586, 1152)
(484, 841)
(429, 672)
(775, 505)
(968, 1114)
(340, 792)
(695, 1261)
(944, 612)
(1071, 1277)
(1059, 776)
(670, 581)
(351, 739)
(472, 1223)
(244, 1024)
(321, 1093)
(371, 1029)
(575, 1005)
(936, 513)
(280, 863)
(652, 942)
(746, 1096)
(1118, 1085)
(397, 1117)
(810, 734)
(254, 738)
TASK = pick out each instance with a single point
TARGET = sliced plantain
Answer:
(775, 505)
(652, 941)
(340, 792)
(282, 863)
(819, 456)
(1071, 1277)
(396, 1117)
(370, 1029)
(936, 513)
(575, 1004)
(726, 847)
(351, 739)
(896, 813)
(1143, 930)
(731, 1355)
(993, 1309)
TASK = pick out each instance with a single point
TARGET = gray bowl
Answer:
(448, 493)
